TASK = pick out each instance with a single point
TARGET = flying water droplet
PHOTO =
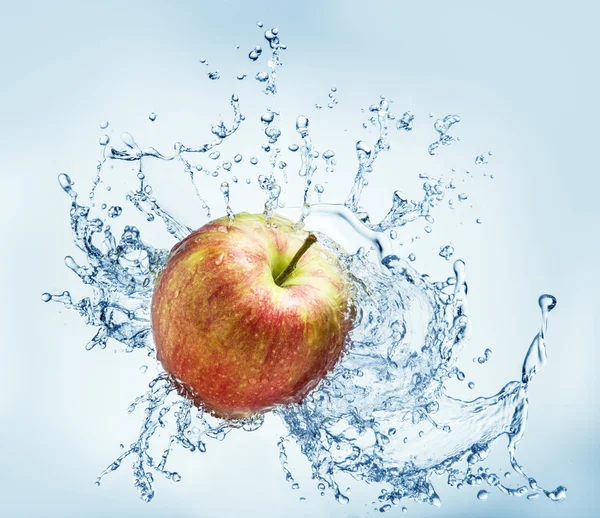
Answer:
(406, 121)
(447, 252)
(255, 53)
(115, 211)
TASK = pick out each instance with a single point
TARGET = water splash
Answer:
(442, 126)
(384, 415)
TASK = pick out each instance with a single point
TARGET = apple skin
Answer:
(235, 341)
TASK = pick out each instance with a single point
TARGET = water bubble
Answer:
(341, 498)
(115, 211)
(446, 252)
(273, 133)
(104, 140)
(267, 117)
(262, 77)
(255, 53)
(560, 493)
(406, 121)
(301, 124)
(363, 150)
(213, 76)
(103, 124)
(220, 130)
(483, 495)
(152, 116)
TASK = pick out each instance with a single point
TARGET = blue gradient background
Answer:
(524, 78)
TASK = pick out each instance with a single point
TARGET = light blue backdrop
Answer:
(524, 78)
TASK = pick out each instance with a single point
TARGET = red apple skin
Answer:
(237, 342)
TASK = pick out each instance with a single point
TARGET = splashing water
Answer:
(389, 387)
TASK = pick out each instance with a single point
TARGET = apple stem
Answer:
(282, 277)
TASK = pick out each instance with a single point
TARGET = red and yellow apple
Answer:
(248, 315)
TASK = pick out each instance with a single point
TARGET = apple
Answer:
(248, 315)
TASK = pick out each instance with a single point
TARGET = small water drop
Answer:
(115, 211)
(103, 124)
(560, 493)
(253, 160)
(483, 495)
(412, 257)
(46, 297)
(471, 385)
(255, 53)
(267, 117)
(152, 116)
(301, 124)
(293, 147)
(446, 252)
(237, 158)
(213, 76)
(104, 140)
(262, 77)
